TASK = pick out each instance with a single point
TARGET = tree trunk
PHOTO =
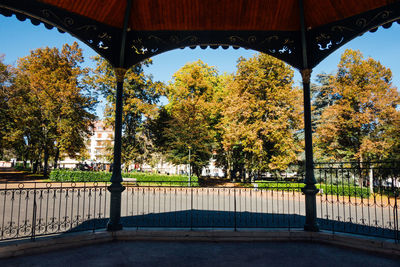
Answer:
(35, 166)
(56, 157)
(196, 170)
(46, 161)
(229, 167)
(371, 180)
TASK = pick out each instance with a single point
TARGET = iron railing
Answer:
(233, 205)
(360, 198)
(31, 209)
(353, 197)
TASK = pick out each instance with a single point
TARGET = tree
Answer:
(140, 97)
(360, 123)
(261, 115)
(192, 115)
(51, 106)
(322, 97)
(7, 75)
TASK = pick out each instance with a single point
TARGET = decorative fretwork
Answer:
(146, 44)
(322, 41)
(101, 38)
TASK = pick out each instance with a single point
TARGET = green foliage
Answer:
(279, 186)
(141, 178)
(21, 168)
(344, 190)
(191, 115)
(79, 176)
(327, 189)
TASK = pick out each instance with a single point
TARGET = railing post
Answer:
(396, 218)
(234, 208)
(116, 187)
(309, 189)
(33, 232)
(191, 208)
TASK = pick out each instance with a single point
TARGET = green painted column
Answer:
(116, 187)
(309, 189)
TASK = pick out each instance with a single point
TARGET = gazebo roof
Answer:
(155, 26)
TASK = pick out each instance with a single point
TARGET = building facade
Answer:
(100, 141)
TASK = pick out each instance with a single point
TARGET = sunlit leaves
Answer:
(360, 122)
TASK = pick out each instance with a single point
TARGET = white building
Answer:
(98, 142)
(101, 139)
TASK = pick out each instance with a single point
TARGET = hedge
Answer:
(344, 190)
(338, 190)
(90, 176)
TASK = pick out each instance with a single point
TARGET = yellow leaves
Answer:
(262, 111)
(364, 106)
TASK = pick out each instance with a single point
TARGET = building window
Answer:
(99, 135)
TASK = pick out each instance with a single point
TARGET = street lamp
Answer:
(190, 180)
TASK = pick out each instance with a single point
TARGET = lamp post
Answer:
(190, 178)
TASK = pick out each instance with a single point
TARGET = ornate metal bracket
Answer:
(325, 40)
(278, 44)
(101, 38)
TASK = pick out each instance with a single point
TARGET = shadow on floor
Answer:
(226, 219)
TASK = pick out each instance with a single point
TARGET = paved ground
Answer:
(142, 253)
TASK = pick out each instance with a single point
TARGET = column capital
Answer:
(306, 75)
(120, 74)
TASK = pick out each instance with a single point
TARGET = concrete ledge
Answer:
(51, 243)
(63, 241)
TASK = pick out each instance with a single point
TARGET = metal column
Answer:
(116, 187)
(309, 189)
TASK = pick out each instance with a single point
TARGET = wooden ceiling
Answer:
(258, 15)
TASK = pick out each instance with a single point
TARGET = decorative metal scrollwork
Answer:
(324, 40)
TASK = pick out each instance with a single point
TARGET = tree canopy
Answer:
(140, 97)
(261, 114)
(191, 114)
(49, 107)
(360, 122)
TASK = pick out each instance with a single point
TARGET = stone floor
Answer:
(152, 253)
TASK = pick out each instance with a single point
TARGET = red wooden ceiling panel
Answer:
(218, 14)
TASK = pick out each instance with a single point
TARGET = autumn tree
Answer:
(322, 97)
(261, 115)
(191, 115)
(140, 97)
(363, 120)
(51, 106)
(6, 123)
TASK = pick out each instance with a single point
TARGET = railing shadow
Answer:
(229, 219)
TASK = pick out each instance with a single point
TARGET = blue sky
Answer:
(18, 38)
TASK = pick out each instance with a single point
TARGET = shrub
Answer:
(142, 178)
(344, 190)
(328, 189)
(21, 168)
